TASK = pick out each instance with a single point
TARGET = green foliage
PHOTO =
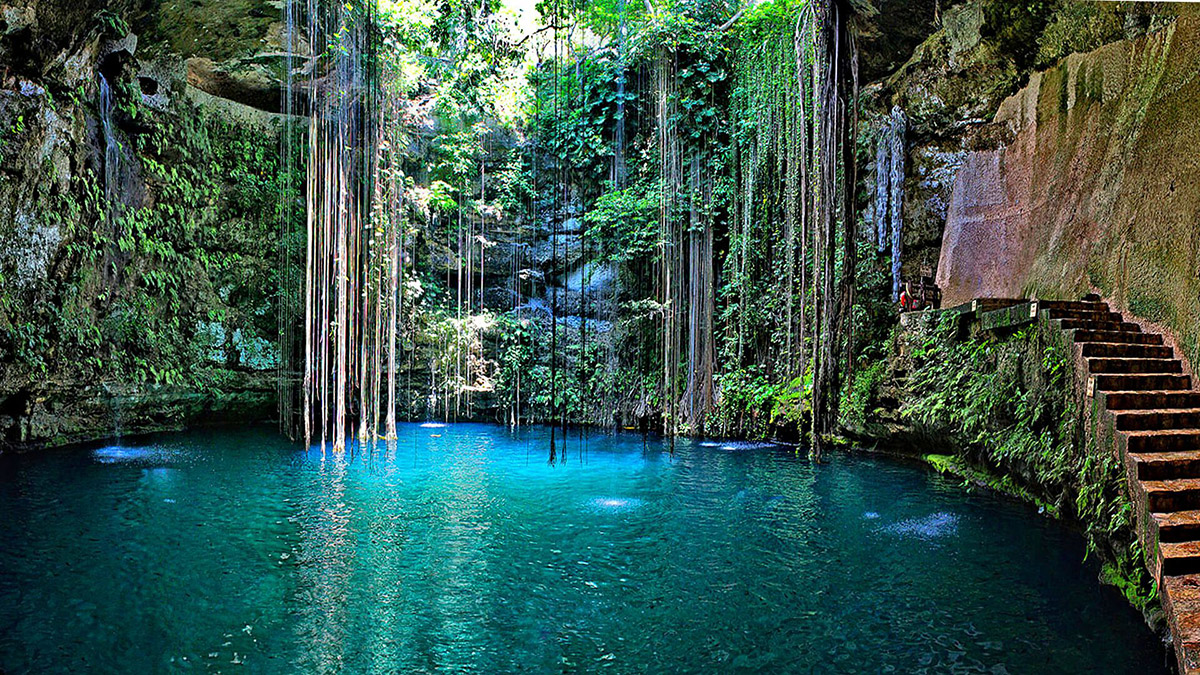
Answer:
(746, 401)
(858, 395)
(605, 17)
(188, 269)
(137, 283)
(766, 20)
(441, 197)
(752, 405)
(1017, 26)
(993, 399)
(1079, 27)
(575, 115)
(700, 85)
(1149, 307)
(515, 352)
(514, 187)
(112, 23)
(625, 224)
(792, 401)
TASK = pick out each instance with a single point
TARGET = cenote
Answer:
(459, 548)
(250, 250)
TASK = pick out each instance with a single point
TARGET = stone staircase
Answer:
(1154, 414)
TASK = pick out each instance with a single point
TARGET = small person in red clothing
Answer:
(906, 300)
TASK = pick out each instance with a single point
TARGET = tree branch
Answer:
(737, 15)
(732, 20)
(525, 39)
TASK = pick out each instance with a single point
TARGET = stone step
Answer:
(1158, 418)
(1142, 382)
(1162, 440)
(1098, 366)
(1126, 337)
(1166, 496)
(1085, 315)
(1074, 305)
(1086, 324)
(1165, 465)
(1180, 557)
(1117, 350)
(1151, 400)
(1181, 600)
(1177, 526)
(992, 304)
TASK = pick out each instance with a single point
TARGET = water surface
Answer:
(460, 549)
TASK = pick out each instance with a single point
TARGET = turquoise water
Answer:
(460, 549)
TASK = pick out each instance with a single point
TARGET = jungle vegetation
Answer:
(691, 166)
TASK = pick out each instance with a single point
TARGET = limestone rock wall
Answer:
(1096, 187)
(138, 222)
(979, 53)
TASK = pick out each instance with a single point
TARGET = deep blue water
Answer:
(460, 549)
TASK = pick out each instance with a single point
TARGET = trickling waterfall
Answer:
(112, 147)
(112, 204)
(117, 407)
(889, 189)
(883, 189)
(896, 202)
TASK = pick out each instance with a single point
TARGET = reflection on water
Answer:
(746, 445)
(467, 552)
(933, 526)
(116, 453)
(614, 504)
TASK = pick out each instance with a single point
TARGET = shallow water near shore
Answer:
(462, 549)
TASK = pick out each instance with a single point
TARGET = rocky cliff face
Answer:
(982, 52)
(138, 220)
(1094, 188)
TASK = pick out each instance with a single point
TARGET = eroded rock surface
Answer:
(1096, 190)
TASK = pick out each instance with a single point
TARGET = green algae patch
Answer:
(942, 463)
(975, 476)
(1130, 588)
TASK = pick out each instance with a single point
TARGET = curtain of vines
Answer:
(790, 269)
(688, 88)
(766, 295)
(836, 85)
(348, 262)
